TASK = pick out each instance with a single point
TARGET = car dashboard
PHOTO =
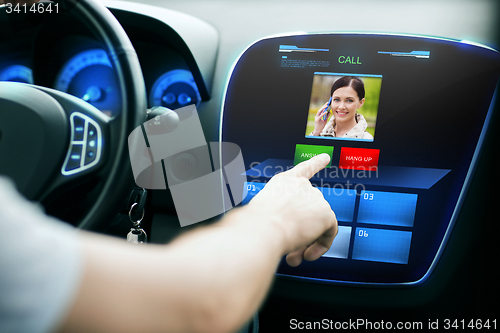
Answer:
(183, 62)
(70, 59)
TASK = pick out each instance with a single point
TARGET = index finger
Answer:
(312, 166)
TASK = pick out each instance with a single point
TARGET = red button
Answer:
(359, 159)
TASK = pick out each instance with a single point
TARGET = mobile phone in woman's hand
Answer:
(325, 117)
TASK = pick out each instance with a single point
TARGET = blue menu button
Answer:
(392, 246)
(387, 208)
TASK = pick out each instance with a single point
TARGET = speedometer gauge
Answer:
(90, 76)
(17, 73)
(174, 90)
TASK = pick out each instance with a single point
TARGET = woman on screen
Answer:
(347, 96)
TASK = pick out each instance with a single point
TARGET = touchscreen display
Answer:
(402, 118)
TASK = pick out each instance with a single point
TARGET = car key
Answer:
(136, 235)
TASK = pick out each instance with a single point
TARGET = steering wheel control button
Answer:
(86, 144)
(75, 157)
(78, 129)
(91, 132)
(305, 152)
(90, 155)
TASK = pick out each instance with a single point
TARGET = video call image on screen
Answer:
(343, 106)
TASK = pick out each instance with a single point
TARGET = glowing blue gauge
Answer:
(17, 73)
(174, 90)
(90, 76)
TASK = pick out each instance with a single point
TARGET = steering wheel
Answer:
(51, 142)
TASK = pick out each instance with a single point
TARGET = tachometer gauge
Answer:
(90, 76)
(17, 73)
(174, 90)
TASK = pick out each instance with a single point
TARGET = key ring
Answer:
(138, 222)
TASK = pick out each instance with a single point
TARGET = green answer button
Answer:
(305, 152)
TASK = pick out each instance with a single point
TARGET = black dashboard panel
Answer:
(397, 193)
(160, 48)
(62, 53)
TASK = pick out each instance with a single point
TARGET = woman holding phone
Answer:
(347, 96)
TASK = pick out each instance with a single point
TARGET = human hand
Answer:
(299, 210)
(319, 122)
